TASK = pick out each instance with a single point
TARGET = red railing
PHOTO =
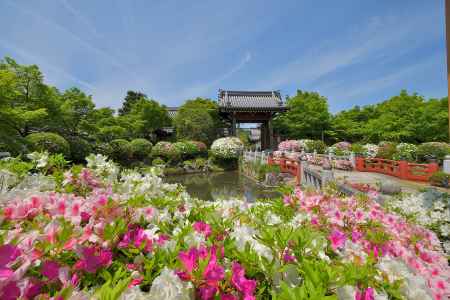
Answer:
(287, 166)
(400, 169)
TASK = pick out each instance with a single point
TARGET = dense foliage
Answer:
(102, 233)
(198, 119)
(403, 118)
(29, 106)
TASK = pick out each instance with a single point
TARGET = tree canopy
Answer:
(198, 119)
(402, 118)
(28, 105)
(307, 117)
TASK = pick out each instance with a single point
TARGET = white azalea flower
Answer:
(168, 286)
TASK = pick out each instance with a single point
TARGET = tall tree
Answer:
(130, 100)
(307, 117)
(145, 117)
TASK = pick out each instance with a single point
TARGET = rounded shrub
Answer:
(184, 149)
(141, 148)
(161, 149)
(79, 149)
(227, 148)
(201, 147)
(405, 151)
(386, 150)
(316, 145)
(48, 141)
(432, 150)
(120, 150)
(358, 149)
(158, 162)
(440, 179)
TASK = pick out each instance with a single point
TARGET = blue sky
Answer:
(351, 51)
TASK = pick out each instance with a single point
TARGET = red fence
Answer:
(287, 166)
(400, 169)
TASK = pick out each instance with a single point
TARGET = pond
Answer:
(225, 185)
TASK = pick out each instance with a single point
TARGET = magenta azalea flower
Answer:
(188, 259)
(8, 253)
(202, 227)
(50, 269)
(337, 239)
(10, 292)
(94, 259)
(242, 284)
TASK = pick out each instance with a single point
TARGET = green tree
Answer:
(145, 117)
(195, 124)
(130, 100)
(207, 104)
(77, 112)
(307, 117)
(28, 105)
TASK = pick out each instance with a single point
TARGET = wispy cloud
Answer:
(45, 65)
(80, 16)
(105, 55)
(370, 42)
(203, 89)
(351, 92)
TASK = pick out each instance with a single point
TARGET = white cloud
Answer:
(204, 88)
(371, 42)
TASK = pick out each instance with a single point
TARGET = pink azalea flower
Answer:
(242, 284)
(8, 253)
(337, 239)
(207, 292)
(33, 289)
(6, 274)
(356, 236)
(189, 259)
(93, 259)
(228, 297)
(10, 291)
(368, 294)
(202, 227)
(50, 269)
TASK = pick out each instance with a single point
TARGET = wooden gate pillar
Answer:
(263, 136)
(270, 133)
(233, 124)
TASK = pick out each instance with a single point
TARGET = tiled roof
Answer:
(172, 112)
(251, 100)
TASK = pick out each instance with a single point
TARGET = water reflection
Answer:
(226, 185)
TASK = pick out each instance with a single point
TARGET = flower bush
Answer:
(386, 150)
(289, 145)
(227, 148)
(162, 149)
(141, 148)
(430, 209)
(317, 146)
(405, 151)
(370, 150)
(432, 150)
(135, 237)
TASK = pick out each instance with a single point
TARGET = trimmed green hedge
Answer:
(141, 148)
(48, 141)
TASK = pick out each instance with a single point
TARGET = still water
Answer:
(226, 185)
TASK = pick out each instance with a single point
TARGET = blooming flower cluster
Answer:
(430, 209)
(228, 147)
(370, 150)
(289, 145)
(135, 237)
(405, 151)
